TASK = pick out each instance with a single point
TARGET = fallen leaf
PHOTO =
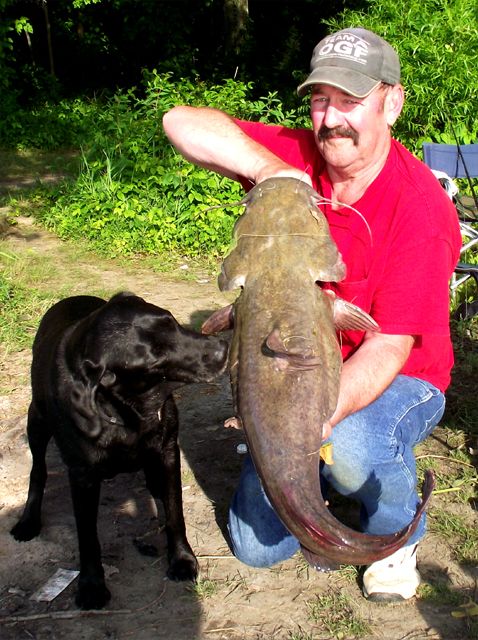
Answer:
(469, 609)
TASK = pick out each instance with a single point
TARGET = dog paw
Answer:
(25, 530)
(183, 569)
(92, 595)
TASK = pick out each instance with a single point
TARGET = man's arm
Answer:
(368, 372)
(211, 139)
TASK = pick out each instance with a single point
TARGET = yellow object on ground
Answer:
(326, 453)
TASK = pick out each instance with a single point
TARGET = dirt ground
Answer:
(231, 601)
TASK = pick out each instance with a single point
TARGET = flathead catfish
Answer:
(285, 362)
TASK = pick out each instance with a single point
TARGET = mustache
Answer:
(324, 133)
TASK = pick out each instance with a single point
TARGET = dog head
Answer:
(128, 348)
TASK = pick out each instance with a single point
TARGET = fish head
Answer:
(281, 220)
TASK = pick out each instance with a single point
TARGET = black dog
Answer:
(102, 377)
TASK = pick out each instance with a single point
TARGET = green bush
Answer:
(47, 125)
(135, 194)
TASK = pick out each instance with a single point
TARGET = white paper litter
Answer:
(52, 588)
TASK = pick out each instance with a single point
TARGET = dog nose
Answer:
(217, 354)
(222, 349)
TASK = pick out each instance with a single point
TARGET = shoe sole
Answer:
(385, 598)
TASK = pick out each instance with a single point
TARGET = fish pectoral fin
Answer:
(220, 320)
(318, 561)
(289, 360)
(348, 316)
(275, 344)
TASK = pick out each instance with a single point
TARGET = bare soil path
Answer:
(231, 601)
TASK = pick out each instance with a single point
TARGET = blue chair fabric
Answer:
(447, 158)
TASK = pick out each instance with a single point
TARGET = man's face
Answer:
(350, 132)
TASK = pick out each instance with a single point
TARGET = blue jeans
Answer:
(373, 463)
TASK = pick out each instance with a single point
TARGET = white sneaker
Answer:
(394, 578)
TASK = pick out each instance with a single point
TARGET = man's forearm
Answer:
(369, 371)
(211, 139)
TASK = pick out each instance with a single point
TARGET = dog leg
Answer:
(92, 591)
(163, 479)
(39, 435)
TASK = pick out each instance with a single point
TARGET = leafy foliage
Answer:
(105, 44)
(135, 194)
(49, 125)
(438, 47)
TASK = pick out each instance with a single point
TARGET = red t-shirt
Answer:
(399, 273)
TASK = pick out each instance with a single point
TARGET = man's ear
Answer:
(394, 103)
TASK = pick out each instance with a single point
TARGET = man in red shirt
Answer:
(399, 253)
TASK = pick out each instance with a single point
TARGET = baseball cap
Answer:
(354, 60)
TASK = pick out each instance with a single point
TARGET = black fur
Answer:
(102, 377)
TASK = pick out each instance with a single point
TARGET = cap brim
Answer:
(352, 82)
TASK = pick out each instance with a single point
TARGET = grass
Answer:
(462, 408)
(454, 471)
(29, 285)
(345, 574)
(28, 168)
(337, 613)
(205, 588)
(439, 594)
(455, 527)
(21, 299)
(300, 635)
(187, 476)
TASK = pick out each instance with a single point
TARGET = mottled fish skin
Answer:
(285, 364)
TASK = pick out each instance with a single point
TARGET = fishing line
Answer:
(348, 206)
(304, 173)
(277, 235)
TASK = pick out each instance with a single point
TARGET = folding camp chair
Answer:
(460, 161)
(457, 161)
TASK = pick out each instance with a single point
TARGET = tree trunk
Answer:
(236, 20)
(48, 36)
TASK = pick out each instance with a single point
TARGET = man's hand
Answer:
(233, 423)
(281, 170)
(326, 430)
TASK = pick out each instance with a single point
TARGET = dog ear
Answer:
(83, 396)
